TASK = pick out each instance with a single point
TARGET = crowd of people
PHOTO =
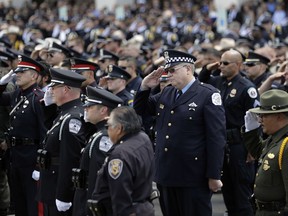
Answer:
(95, 105)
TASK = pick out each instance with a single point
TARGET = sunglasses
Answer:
(173, 70)
(250, 64)
(225, 63)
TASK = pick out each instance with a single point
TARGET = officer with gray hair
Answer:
(124, 182)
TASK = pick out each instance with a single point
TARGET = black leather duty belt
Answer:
(270, 206)
(23, 141)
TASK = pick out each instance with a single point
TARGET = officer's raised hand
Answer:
(251, 121)
(152, 80)
(7, 78)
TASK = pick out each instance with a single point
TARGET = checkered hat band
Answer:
(29, 65)
(83, 67)
(179, 59)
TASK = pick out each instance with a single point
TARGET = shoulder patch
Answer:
(105, 144)
(74, 125)
(115, 168)
(216, 99)
(252, 92)
(130, 102)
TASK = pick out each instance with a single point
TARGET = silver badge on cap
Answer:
(110, 68)
(166, 54)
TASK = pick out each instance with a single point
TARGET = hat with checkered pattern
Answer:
(175, 57)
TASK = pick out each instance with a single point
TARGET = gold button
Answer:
(169, 124)
(172, 111)
(167, 137)
(166, 149)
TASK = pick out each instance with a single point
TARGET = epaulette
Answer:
(38, 92)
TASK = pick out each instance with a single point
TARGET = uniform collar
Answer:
(29, 89)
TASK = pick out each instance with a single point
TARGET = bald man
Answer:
(238, 95)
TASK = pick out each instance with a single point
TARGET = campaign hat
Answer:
(272, 101)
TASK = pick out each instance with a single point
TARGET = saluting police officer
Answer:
(190, 126)
(97, 109)
(62, 145)
(124, 182)
(26, 131)
(116, 83)
(238, 95)
(271, 184)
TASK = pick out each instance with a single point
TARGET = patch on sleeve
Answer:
(105, 144)
(115, 167)
(252, 92)
(216, 99)
(74, 125)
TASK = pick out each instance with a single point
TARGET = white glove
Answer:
(36, 175)
(7, 78)
(48, 99)
(251, 121)
(63, 206)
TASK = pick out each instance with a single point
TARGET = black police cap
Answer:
(4, 57)
(66, 77)
(80, 65)
(105, 54)
(55, 47)
(27, 63)
(174, 57)
(117, 72)
(255, 57)
(101, 96)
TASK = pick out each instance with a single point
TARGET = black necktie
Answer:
(179, 93)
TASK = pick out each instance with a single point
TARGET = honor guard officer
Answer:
(63, 144)
(26, 131)
(124, 183)
(87, 69)
(97, 109)
(190, 126)
(116, 82)
(271, 184)
(238, 95)
(56, 54)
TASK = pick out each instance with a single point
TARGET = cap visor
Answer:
(88, 104)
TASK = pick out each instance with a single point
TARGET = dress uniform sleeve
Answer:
(215, 124)
(72, 140)
(253, 142)
(120, 180)
(144, 104)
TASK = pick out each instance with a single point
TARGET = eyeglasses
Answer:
(225, 63)
(173, 70)
(263, 115)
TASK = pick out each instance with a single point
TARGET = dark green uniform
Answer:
(271, 184)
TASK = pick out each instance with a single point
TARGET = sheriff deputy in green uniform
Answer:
(271, 184)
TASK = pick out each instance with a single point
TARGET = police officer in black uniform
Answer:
(26, 131)
(97, 108)
(62, 145)
(238, 95)
(116, 83)
(190, 126)
(124, 182)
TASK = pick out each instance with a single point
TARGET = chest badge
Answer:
(271, 156)
(161, 106)
(233, 93)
